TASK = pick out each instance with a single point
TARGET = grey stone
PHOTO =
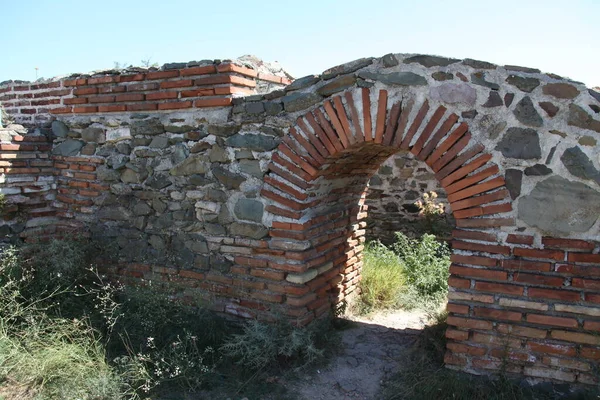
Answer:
(255, 108)
(347, 68)
(300, 101)
(89, 149)
(59, 129)
(527, 114)
(478, 78)
(96, 135)
(594, 94)
(253, 231)
(195, 164)
(159, 206)
(120, 189)
(159, 142)
(520, 143)
(106, 174)
(243, 154)
(223, 130)
(216, 195)
(493, 100)
(579, 164)
(522, 83)
(550, 108)
(249, 210)
(229, 179)
(117, 161)
(199, 180)
(253, 142)
(389, 60)
(522, 69)
(129, 175)
(151, 126)
(220, 263)
(156, 242)
(478, 64)
(469, 114)
(587, 141)
(561, 90)
(385, 170)
(395, 78)
(218, 154)
(431, 61)
(215, 229)
(442, 76)
(275, 94)
(513, 179)
(114, 214)
(140, 141)
(560, 207)
(580, 118)
(551, 155)
(375, 181)
(200, 147)
(142, 208)
(74, 134)
(273, 108)
(496, 129)
(179, 128)
(508, 99)
(538, 170)
(303, 82)
(69, 147)
(159, 181)
(251, 167)
(337, 85)
(453, 93)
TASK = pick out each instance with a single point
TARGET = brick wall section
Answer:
(29, 188)
(201, 86)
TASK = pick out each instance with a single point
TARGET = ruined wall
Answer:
(260, 207)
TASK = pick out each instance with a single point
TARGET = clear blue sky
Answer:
(308, 36)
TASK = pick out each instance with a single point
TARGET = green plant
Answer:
(382, 278)
(433, 212)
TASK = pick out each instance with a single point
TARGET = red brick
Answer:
(102, 79)
(484, 222)
(584, 258)
(567, 244)
(519, 239)
(459, 283)
(486, 248)
(129, 97)
(456, 334)
(474, 235)
(415, 125)
(111, 89)
(142, 107)
(526, 265)
(497, 314)
(538, 279)
(465, 349)
(517, 330)
(79, 110)
(162, 74)
(428, 129)
(548, 348)
(101, 99)
(238, 69)
(576, 337)
(366, 102)
(592, 297)
(161, 95)
(536, 253)
(441, 148)
(552, 321)
(457, 308)
(112, 108)
(474, 260)
(499, 288)
(175, 105)
(478, 273)
(213, 102)
(479, 200)
(207, 69)
(554, 294)
(132, 78)
(469, 323)
(75, 82)
(176, 84)
(439, 134)
(62, 110)
(75, 100)
(586, 283)
(592, 353)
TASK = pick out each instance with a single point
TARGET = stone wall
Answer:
(260, 207)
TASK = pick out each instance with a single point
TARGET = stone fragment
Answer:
(587, 141)
(253, 142)
(469, 114)
(159, 142)
(200, 147)
(595, 108)
(520, 143)
(522, 69)
(253, 231)
(131, 176)
(199, 180)
(158, 181)
(229, 179)
(580, 118)
(151, 126)
(595, 94)
(453, 93)
(431, 61)
(59, 129)
(493, 100)
(550, 155)
(88, 150)
(223, 130)
(478, 64)
(513, 179)
(478, 78)
(106, 174)
(347, 68)
(508, 99)
(496, 129)
(195, 164)
(337, 85)
(538, 170)
(255, 108)
(561, 90)
(96, 135)
(142, 208)
(395, 78)
(218, 154)
(560, 207)
(442, 76)
(179, 128)
(251, 167)
(118, 134)
(302, 278)
(273, 108)
(579, 164)
(526, 113)
(550, 108)
(389, 60)
(302, 83)
(69, 147)
(249, 210)
(522, 83)
(114, 213)
(300, 101)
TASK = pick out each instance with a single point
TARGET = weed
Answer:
(433, 212)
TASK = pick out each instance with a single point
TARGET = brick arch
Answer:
(318, 177)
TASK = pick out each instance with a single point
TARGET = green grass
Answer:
(411, 273)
